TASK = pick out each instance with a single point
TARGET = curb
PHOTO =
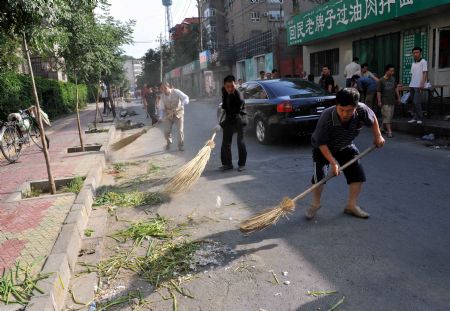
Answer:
(421, 130)
(63, 257)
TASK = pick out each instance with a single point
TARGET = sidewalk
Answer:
(438, 127)
(30, 227)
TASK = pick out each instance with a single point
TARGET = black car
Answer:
(287, 106)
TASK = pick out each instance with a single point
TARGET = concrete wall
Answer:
(345, 46)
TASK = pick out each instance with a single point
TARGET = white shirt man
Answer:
(352, 69)
(171, 105)
(419, 76)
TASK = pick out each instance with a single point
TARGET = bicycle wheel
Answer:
(10, 144)
(35, 133)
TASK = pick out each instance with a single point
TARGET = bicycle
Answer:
(18, 131)
(10, 141)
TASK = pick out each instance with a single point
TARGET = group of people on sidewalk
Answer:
(383, 93)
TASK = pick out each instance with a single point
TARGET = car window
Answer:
(297, 89)
(255, 91)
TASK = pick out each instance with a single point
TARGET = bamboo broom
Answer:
(270, 216)
(189, 173)
(122, 143)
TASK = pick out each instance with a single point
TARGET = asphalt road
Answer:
(399, 259)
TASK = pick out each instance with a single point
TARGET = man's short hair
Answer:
(365, 65)
(355, 77)
(228, 79)
(417, 48)
(388, 67)
(274, 70)
(356, 59)
(347, 97)
(262, 72)
(326, 66)
(163, 83)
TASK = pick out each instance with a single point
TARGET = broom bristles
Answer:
(122, 143)
(190, 172)
(267, 217)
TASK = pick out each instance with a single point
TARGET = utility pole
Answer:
(161, 58)
(200, 24)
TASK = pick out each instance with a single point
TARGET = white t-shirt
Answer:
(417, 70)
(173, 103)
(352, 69)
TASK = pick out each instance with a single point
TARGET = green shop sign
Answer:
(343, 15)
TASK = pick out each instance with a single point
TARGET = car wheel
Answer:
(262, 132)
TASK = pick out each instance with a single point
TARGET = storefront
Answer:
(249, 68)
(378, 32)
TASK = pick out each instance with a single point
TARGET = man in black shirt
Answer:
(333, 146)
(327, 81)
(234, 120)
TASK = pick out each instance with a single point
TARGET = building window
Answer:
(255, 17)
(444, 48)
(209, 12)
(275, 15)
(274, 1)
(254, 1)
(328, 57)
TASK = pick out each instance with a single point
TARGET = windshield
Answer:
(297, 89)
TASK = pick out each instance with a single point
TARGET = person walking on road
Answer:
(333, 146)
(105, 98)
(327, 81)
(350, 70)
(233, 120)
(388, 97)
(150, 104)
(419, 77)
(171, 107)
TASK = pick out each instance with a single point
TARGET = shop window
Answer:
(255, 17)
(328, 57)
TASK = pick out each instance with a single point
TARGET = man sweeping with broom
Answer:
(333, 146)
(172, 102)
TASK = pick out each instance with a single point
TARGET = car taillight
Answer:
(285, 107)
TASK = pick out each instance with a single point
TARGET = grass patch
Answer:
(33, 193)
(153, 168)
(154, 227)
(74, 185)
(133, 298)
(128, 199)
(18, 284)
(88, 232)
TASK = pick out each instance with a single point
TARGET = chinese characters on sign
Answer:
(343, 15)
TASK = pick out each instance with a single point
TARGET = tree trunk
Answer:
(78, 115)
(51, 181)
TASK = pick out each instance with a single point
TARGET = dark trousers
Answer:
(105, 104)
(151, 111)
(228, 131)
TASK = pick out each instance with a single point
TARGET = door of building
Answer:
(379, 51)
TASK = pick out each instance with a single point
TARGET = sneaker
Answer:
(389, 135)
(357, 212)
(311, 211)
(241, 168)
(226, 167)
(412, 121)
(419, 122)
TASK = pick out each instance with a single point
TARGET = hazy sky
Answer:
(150, 20)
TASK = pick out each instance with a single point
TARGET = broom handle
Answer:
(341, 169)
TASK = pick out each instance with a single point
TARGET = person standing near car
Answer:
(171, 108)
(233, 107)
(326, 81)
(419, 76)
(333, 146)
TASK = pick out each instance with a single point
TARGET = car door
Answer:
(255, 100)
